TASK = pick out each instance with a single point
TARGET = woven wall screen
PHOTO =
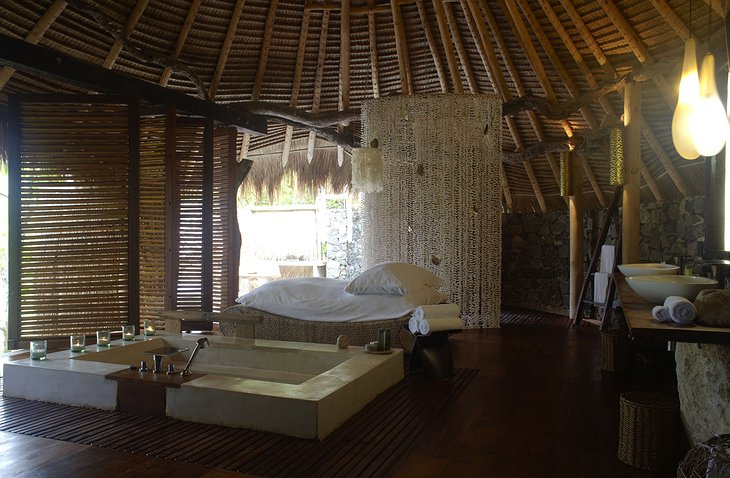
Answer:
(73, 218)
(440, 205)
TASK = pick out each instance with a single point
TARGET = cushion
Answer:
(713, 307)
(393, 278)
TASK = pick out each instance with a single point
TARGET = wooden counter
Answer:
(638, 316)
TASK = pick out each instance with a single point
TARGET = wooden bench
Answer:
(176, 321)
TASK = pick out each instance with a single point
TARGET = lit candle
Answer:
(78, 343)
(149, 328)
(128, 332)
(38, 349)
(103, 338)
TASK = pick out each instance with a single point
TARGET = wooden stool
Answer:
(648, 431)
(432, 353)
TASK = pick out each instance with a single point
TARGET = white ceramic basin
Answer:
(656, 288)
(647, 269)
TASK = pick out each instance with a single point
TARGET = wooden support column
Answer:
(575, 206)
(630, 223)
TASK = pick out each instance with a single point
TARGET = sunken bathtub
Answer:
(298, 389)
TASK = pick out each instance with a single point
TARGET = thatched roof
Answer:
(279, 52)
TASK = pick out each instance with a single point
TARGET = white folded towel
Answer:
(600, 287)
(438, 311)
(426, 326)
(661, 313)
(608, 256)
(680, 309)
(413, 325)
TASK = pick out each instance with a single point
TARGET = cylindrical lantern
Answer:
(616, 155)
(566, 179)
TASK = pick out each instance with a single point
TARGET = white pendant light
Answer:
(689, 92)
(709, 124)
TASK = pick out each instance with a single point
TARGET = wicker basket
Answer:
(708, 459)
(648, 431)
(616, 351)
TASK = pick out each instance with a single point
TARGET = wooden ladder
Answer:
(593, 266)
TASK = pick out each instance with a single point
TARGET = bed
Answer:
(317, 309)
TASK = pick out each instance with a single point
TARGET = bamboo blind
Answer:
(225, 258)
(153, 149)
(71, 233)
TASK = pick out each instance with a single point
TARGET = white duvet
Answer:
(323, 299)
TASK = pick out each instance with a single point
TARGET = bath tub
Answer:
(298, 389)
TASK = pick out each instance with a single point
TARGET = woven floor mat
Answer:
(370, 444)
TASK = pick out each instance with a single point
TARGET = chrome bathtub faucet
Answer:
(200, 344)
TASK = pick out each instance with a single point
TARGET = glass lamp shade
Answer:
(709, 123)
(689, 93)
(367, 170)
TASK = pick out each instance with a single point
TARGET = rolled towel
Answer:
(426, 326)
(681, 310)
(413, 324)
(439, 311)
(661, 313)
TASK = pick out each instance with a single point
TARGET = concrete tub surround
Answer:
(298, 389)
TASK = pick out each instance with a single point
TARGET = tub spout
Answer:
(200, 344)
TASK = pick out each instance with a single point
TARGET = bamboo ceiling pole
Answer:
(432, 45)
(720, 6)
(637, 47)
(296, 83)
(630, 223)
(373, 39)
(505, 186)
(343, 100)
(479, 32)
(34, 36)
(575, 207)
(134, 17)
(460, 50)
(263, 60)
(585, 70)
(318, 75)
(182, 36)
(226, 48)
(401, 47)
(671, 17)
(438, 7)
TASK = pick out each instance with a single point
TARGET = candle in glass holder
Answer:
(103, 338)
(78, 343)
(128, 332)
(149, 328)
(38, 349)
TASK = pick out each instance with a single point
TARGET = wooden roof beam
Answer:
(181, 37)
(319, 74)
(637, 47)
(720, 6)
(479, 32)
(401, 47)
(296, 84)
(438, 7)
(588, 74)
(261, 69)
(46, 63)
(526, 43)
(344, 83)
(35, 34)
(460, 50)
(226, 48)
(370, 9)
(672, 18)
(132, 21)
(373, 39)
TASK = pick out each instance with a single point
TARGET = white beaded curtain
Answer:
(440, 207)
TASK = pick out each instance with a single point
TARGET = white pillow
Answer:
(392, 278)
(425, 295)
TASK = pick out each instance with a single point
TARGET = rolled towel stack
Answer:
(661, 314)
(434, 318)
(680, 309)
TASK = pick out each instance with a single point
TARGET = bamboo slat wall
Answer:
(72, 224)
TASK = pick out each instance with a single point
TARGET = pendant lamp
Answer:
(709, 124)
(689, 92)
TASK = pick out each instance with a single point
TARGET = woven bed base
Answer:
(279, 327)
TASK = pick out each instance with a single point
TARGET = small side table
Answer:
(432, 353)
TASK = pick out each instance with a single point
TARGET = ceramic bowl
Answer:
(647, 269)
(656, 288)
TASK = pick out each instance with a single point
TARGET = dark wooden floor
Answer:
(540, 407)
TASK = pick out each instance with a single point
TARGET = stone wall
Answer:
(536, 248)
(344, 256)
